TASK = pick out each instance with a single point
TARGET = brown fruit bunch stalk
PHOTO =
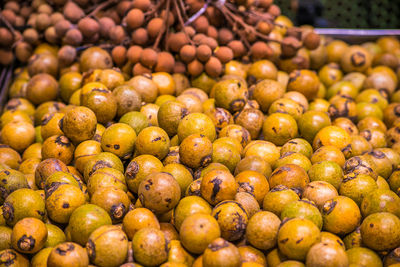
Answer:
(192, 36)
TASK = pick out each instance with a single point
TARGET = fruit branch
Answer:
(101, 7)
(165, 25)
(181, 22)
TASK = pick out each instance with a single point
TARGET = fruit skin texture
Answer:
(279, 128)
(326, 255)
(153, 141)
(221, 253)
(119, 139)
(195, 151)
(159, 192)
(296, 237)
(107, 246)
(305, 82)
(303, 209)
(137, 219)
(29, 235)
(68, 254)
(197, 231)
(262, 229)
(23, 203)
(79, 124)
(381, 231)
(218, 185)
(363, 256)
(149, 247)
(266, 92)
(230, 95)
(341, 215)
(232, 219)
(188, 206)
(85, 219)
(381, 200)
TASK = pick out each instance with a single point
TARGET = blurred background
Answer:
(360, 14)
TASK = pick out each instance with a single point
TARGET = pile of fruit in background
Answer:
(228, 138)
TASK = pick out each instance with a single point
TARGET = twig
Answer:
(167, 30)
(182, 5)
(179, 14)
(248, 28)
(8, 24)
(101, 6)
(232, 21)
(162, 30)
(154, 9)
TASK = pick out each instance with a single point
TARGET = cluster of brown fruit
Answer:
(146, 36)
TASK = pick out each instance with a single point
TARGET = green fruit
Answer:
(364, 257)
(40, 259)
(138, 121)
(84, 220)
(11, 180)
(169, 116)
(353, 239)
(357, 186)
(196, 123)
(149, 247)
(380, 200)
(23, 203)
(5, 237)
(327, 171)
(181, 174)
(294, 230)
(187, 206)
(277, 198)
(55, 236)
(302, 209)
(230, 94)
(381, 231)
(297, 145)
(311, 122)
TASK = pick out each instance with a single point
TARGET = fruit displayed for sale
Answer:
(194, 133)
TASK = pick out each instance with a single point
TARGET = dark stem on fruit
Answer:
(247, 28)
(167, 29)
(181, 22)
(233, 21)
(101, 6)
(8, 25)
(182, 6)
(154, 9)
(163, 29)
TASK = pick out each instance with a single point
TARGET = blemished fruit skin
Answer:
(194, 133)
(294, 230)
